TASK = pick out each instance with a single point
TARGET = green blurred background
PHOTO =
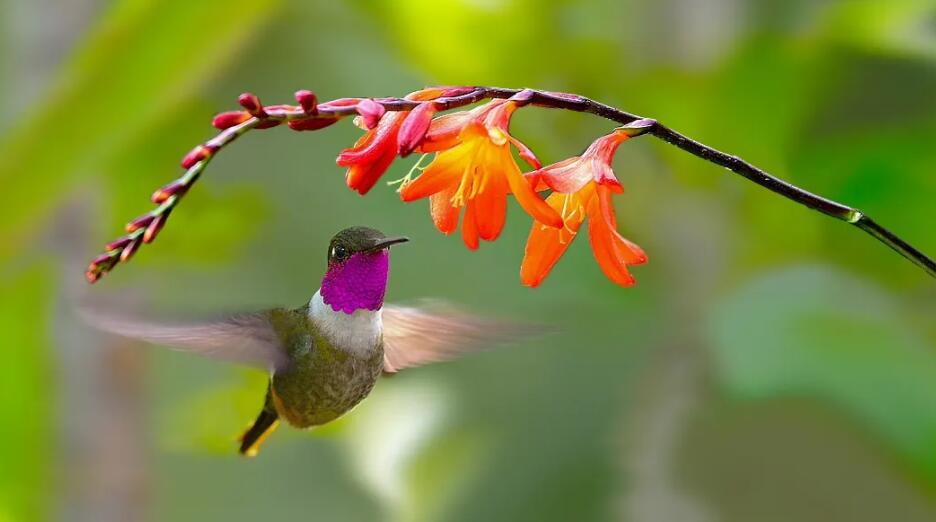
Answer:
(772, 364)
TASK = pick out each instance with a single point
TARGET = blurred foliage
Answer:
(812, 347)
(822, 322)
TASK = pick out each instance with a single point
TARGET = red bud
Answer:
(115, 245)
(92, 276)
(140, 222)
(307, 100)
(153, 229)
(195, 155)
(229, 119)
(171, 189)
(371, 111)
(251, 103)
(101, 261)
(129, 250)
(310, 124)
(414, 127)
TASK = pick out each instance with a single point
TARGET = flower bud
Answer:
(308, 101)
(171, 189)
(153, 229)
(229, 119)
(195, 155)
(371, 111)
(140, 222)
(129, 250)
(103, 260)
(414, 127)
(114, 245)
(251, 103)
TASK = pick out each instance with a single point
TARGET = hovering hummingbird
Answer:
(326, 356)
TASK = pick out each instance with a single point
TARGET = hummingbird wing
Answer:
(414, 336)
(247, 339)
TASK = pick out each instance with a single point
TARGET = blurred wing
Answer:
(416, 336)
(247, 339)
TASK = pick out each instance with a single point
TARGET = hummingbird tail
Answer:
(251, 440)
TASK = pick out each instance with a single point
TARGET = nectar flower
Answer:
(582, 188)
(373, 153)
(476, 171)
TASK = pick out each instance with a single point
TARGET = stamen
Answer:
(409, 175)
(458, 199)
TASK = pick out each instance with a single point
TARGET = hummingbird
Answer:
(326, 356)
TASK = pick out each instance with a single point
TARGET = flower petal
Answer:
(444, 171)
(443, 131)
(363, 176)
(372, 144)
(470, 227)
(526, 196)
(525, 153)
(444, 214)
(607, 256)
(490, 205)
(630, 252)
(567, 176)
(545, 245)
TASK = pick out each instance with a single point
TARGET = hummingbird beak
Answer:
(387, 242)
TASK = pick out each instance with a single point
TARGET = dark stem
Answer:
(736, 165)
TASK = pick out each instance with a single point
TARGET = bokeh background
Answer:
(772, 364)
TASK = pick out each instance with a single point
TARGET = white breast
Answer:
(357, 333)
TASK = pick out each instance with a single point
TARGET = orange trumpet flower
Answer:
(474, 168)
(582, 188)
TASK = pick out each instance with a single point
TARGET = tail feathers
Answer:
(251, 440)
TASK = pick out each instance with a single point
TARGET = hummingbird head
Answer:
(358, 267)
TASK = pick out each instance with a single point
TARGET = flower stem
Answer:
(327, 113)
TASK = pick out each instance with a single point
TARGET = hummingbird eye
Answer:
(339, 253)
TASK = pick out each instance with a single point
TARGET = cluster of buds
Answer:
(473, 168)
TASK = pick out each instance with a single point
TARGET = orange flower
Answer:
(582, 187)
(474, 168)
(373, 153)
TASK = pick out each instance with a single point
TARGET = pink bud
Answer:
(153, 229)
(414, 127)
(229, 119)
(115, 245)
(92, 276)
(251, 103)
(101, 260)
(310, 124)
(307, 100)
(195, 155)
(140, 222)
(371, 111)
(171, 189)
(129, 250)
